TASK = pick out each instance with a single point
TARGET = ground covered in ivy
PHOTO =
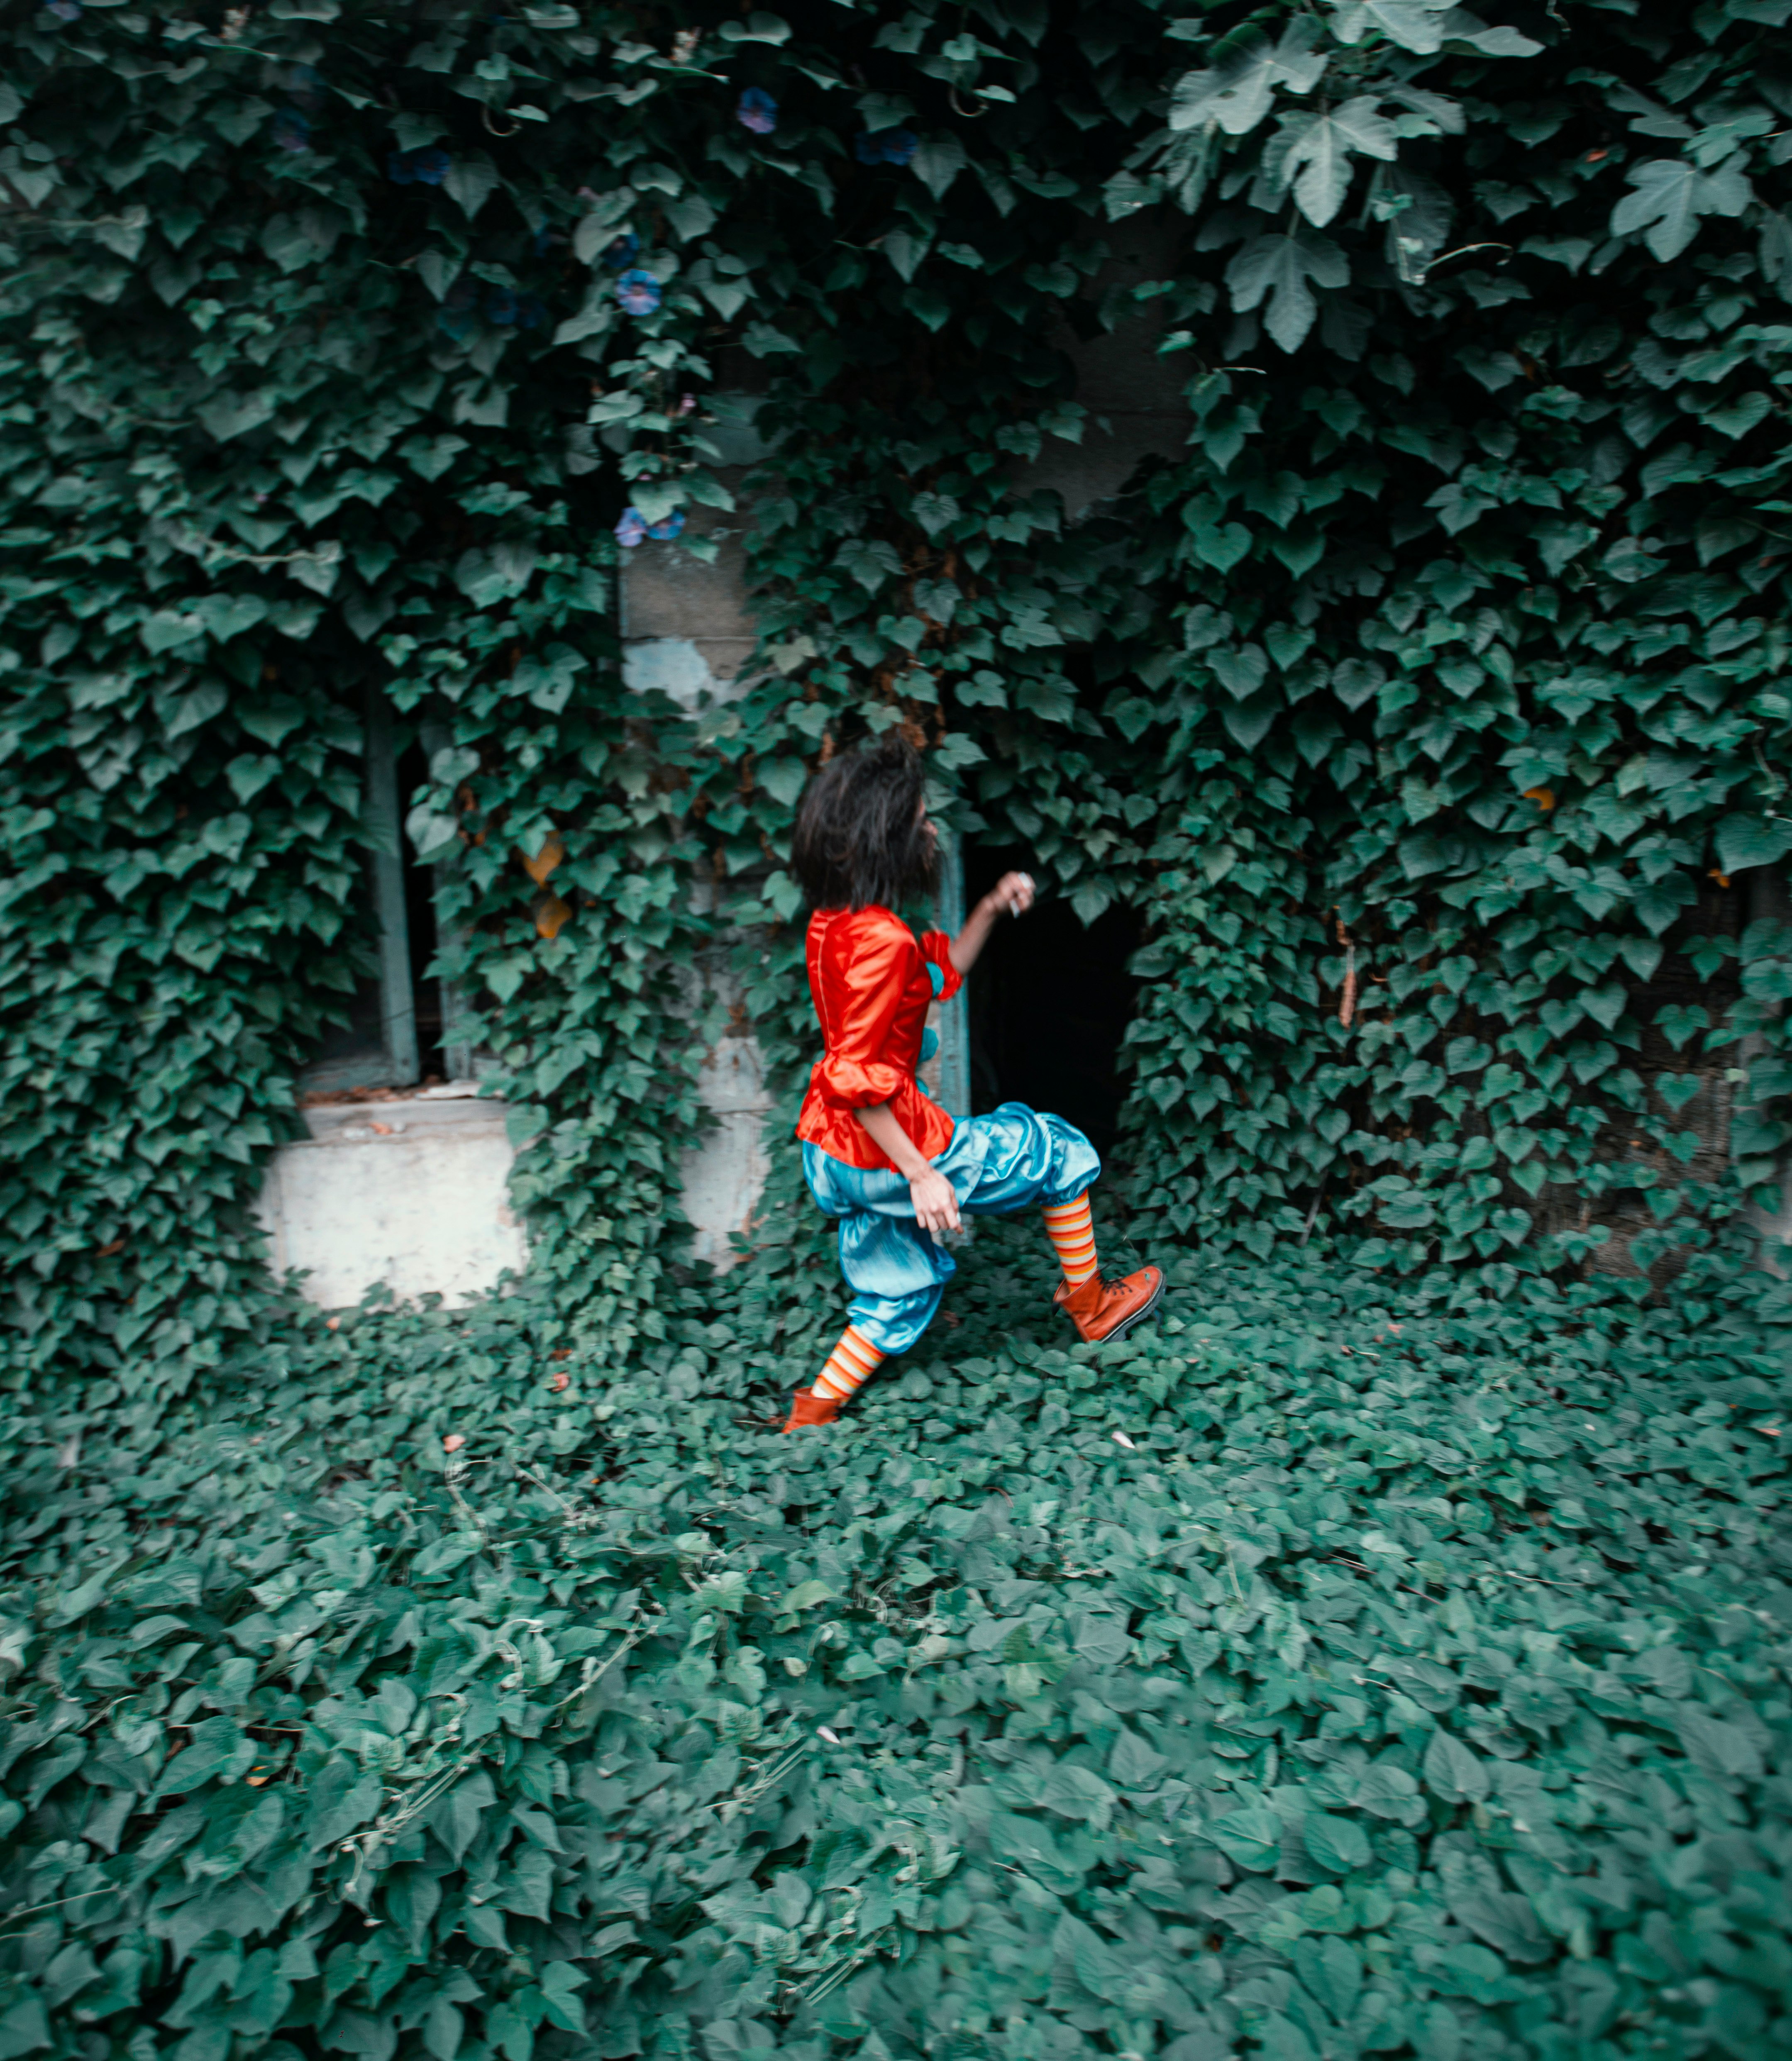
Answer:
(1340, 1668)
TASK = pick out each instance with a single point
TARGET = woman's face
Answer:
(929, 831)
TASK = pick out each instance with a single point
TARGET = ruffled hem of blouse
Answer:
(847, 1084)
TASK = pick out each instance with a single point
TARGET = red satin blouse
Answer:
(871, 980)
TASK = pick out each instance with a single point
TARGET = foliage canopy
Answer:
(1441, 667)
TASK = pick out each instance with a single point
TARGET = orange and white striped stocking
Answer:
(1071, 1228)
(851, 1362)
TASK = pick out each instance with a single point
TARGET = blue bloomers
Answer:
(1009, 1160)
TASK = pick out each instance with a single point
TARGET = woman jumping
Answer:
(878, 1152)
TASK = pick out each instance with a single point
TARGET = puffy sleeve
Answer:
(864, 991)
(937, 950)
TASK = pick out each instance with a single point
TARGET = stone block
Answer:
(411, 1192)
(1134, 395)
(1099, 466)
(666, 594)
(725, 1175)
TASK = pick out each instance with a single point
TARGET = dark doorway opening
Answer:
(1050, 1001)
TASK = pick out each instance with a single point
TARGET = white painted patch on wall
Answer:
(411, 1193)
(672, 666)
(725, 1175)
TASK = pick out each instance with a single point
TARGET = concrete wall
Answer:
(725, 1176)
(685, 625)
(687, 629)
(411, 1191)
(1134, 396)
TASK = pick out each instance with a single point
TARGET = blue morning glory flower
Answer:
(669, 528)
(631, 529)
(291, 131)
(639, 292)
(427, 168)
(885, 146)
(757, 110)
(620, 255)
(500, 309)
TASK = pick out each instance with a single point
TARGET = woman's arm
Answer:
(936, 1203)
(1014, 893)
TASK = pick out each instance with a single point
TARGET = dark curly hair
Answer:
(860, 838)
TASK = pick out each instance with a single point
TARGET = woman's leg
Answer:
(1028, 1157)
(895, 1271)
(1071, 1228)
(850, 1365)
(887, 1317)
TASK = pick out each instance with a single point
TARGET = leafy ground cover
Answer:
(1344, 1666)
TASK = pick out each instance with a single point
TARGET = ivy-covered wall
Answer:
(1426, 702)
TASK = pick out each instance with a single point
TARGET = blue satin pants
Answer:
(1010, 1159)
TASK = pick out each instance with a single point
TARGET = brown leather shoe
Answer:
(807, 1408)
(1103, 1310)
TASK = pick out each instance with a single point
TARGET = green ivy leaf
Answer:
(1315, 155)
(938, 160)
(1452, 1772)
(1280, 268)
(471, 180)
(1670, 198)
(1250, 1836)
(1745, 841)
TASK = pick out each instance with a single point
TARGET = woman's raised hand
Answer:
(1011, 895)
(1013, 892)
